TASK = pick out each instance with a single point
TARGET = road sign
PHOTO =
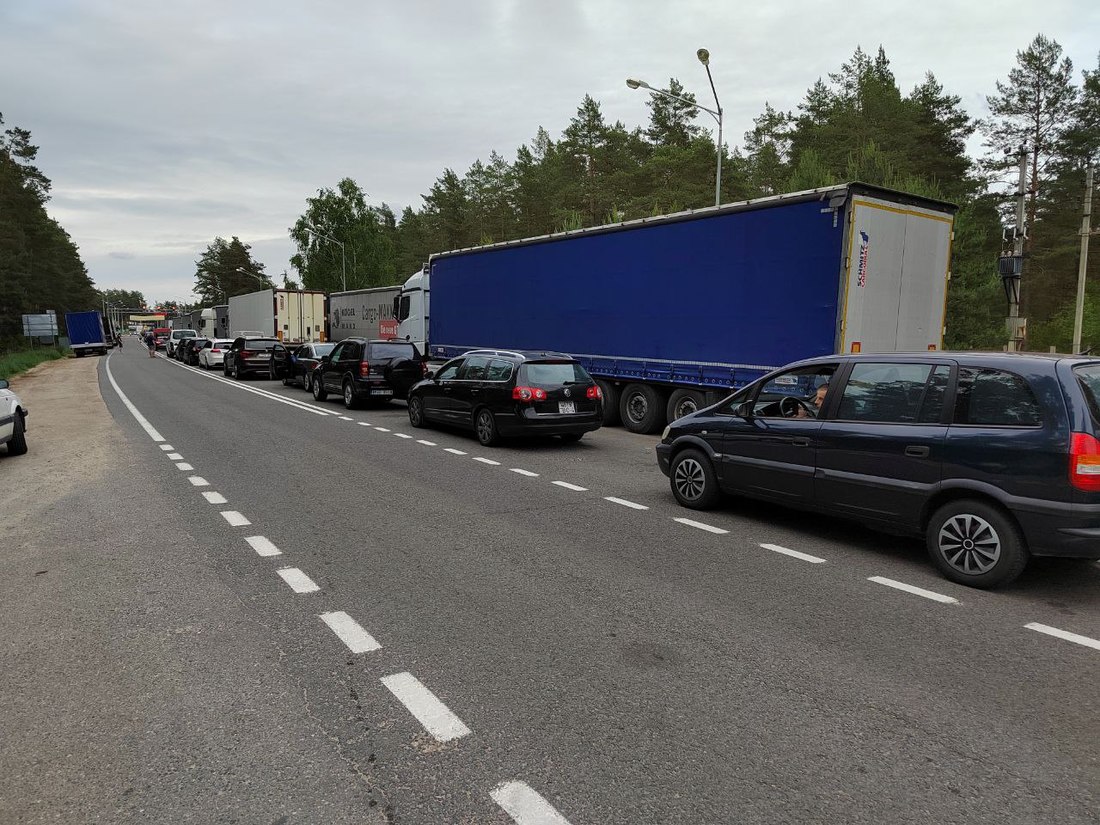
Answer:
(40, 326)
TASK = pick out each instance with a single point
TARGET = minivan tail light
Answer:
(594, 393)
(1084, 462)
(364, 369)
(528, 394)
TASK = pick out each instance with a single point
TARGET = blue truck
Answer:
(86, 333)
(671, 313)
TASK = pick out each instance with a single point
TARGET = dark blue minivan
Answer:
(992, 457)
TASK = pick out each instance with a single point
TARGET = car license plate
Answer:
(566, 407)
(381, 392)
(263, 356)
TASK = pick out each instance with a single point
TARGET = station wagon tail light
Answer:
(1084, 462)
(528, 394)
(594, 393)
(245, 353)
(364, 369)
(215, 349)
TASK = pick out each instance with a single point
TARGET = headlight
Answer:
(664, 435)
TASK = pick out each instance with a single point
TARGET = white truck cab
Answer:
(411, 308)
(13, 420)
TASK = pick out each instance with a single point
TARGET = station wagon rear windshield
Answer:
(1089, 379)
(553, 373)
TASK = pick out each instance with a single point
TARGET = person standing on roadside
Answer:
(151, 343)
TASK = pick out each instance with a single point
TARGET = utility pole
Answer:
(1079, 318)
(1011, 266)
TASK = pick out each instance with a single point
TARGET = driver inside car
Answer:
(819, 399)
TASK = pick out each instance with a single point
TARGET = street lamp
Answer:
(343, 257)
(261, 278)
(716, 113)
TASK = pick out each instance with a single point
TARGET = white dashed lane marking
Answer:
(381, 429)
(1064, 634)
(167, 447)
(453, 451)
(625, 503)
(526, 806)
(350, 632)
(575, 487)
(175, 457)
(436, 717)
(527, 473)
(183, 465)
(344, 418)
(234, 518)
(425, 443)
(214, 498)
(198, 481)
(698, 525)
(488, 461)
(263, 546)
(364, 423)
(786, 551)
(402, 435)
(299, 582)
(916, 591)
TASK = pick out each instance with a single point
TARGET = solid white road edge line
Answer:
(198, 481)
(527, 473)
(299, 582)
(436, 717)
(568, 486)
(183, 465)
(263, 546)
(235, 519)
(265, 393)
(425, 443)
(700, 526)
(145, 425)
(786, 551)
(175, 457)
(488, 461)
(350, 632)
(526, 807)
(916, 591)
(214, 498)
(625, 503)
(1063, 634)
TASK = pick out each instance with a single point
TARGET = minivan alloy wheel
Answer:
(689, 479)
(969, 544)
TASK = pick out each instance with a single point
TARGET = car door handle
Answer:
(917, 452)
(474, 392)
(800, 442)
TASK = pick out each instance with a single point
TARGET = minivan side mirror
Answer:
(744, 409)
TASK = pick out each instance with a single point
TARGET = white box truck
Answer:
(287, 314)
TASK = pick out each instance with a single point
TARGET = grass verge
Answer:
(14, 363)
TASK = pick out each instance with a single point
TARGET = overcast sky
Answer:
(163, 125)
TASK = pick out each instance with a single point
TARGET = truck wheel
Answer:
(976, 544)
(18, 443)
(642, 409)
(693, 480)
(684, 402)
(80, 353)
(611, 395)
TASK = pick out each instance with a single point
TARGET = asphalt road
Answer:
(535, 638)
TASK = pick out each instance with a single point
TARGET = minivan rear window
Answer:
(995, 398)
(1089, 379)
(553, 373)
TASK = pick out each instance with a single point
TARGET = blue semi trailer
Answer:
(671, 313)
(86, 333)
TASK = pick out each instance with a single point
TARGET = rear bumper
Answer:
(1069, 533)
(530, 424)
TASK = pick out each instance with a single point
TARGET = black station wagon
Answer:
(993, 458)
(502, 393)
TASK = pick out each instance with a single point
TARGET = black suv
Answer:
(249, 355)
(362, 370)
(500, 393)
(993, 458)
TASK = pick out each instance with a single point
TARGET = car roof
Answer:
(520, 355)
(1005, 360)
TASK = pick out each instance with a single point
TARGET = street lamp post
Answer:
(262, 279)
(343, 256)
(716, 113)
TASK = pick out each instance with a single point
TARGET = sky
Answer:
(164, 125)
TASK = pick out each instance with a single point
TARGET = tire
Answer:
(307, 382)
(350, 401)
(319, 391)
(642, 409)
(18, 443)
(684, 402)
(485, 425)
(611, 393)
(416, 412)
(976, 544)
(693, 480)
(80, 353)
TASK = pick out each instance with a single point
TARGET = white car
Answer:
(13, 420)
(212, 354)
(174, 339)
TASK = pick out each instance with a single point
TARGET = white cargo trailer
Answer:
(287, 314)
(363, 313)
